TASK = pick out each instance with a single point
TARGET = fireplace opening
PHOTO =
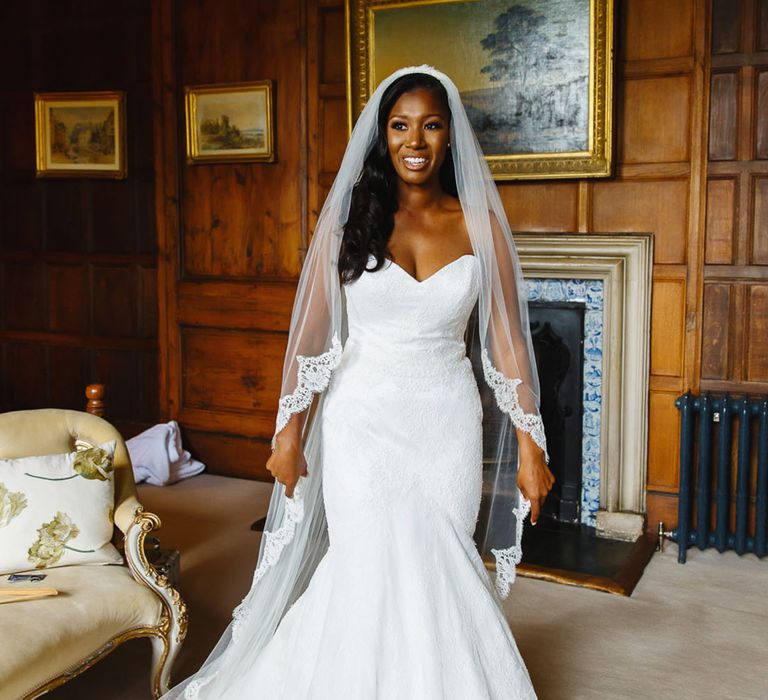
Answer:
(557, 330)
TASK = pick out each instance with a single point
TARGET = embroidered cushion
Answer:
(57, 510)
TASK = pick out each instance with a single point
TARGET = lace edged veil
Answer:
(295, 536)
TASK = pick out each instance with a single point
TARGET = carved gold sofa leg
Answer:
(173, 623)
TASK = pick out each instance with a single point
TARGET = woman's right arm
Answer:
(287, 463)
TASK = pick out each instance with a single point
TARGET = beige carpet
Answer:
(697, 631)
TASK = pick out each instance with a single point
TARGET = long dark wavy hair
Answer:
(374, 198)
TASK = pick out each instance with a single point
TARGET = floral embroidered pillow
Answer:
(57, 510)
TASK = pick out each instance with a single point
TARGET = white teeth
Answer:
(415, 161)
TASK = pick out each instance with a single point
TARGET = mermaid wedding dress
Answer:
(400, 606)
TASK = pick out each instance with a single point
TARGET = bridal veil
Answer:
(295, 536)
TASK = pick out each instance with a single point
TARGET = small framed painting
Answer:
(80, 134)
(535, 76)
(230, 122)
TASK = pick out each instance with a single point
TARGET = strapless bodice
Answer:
(395, 320)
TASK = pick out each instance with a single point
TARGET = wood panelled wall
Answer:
(77, 255)
(735, 338)
(232, 236)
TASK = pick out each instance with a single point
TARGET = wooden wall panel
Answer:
(23, 295)
(656, 29)
(721, 203)
(762, 25)
(723, 116)
(114, 218)
(330, 36)
(715, 350)
(68, 298)
(761, 115)
(759, 233)
(643, 136)
(114, 310)
(65, 207)
(667, 327)
(643, 205)
(71, 368)
(77, 255)
(147, 303)
(20, 205)
(757, 330)
(243, 456)
(231, 370)
(726, 26)
(333, 117)
(26, 366)
(536, 207)
(663, 443)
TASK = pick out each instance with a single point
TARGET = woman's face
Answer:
(417, 135)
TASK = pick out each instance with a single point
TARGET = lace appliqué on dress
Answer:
(508, 559)
(314, 373)
(505, 390)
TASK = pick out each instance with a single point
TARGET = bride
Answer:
(369, 585)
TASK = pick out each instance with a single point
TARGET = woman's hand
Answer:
(534, 478)
(287, 463)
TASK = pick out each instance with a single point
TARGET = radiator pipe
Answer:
(704, 485)
(761, 506)
(723, 476)
(686, 464)
(742, 476)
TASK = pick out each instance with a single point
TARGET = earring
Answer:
(449, 145)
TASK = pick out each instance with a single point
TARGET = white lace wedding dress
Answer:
(401, 606)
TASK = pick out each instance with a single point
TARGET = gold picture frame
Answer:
(230, 122)
(563, 60)
(80, 134)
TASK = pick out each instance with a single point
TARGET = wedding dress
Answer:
(369, 585)
(401, 605)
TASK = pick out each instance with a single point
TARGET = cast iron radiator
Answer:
(714, 419)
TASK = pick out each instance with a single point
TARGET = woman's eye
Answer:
(398, 125)
(434, 125)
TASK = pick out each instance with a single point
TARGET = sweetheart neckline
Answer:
(435, 273)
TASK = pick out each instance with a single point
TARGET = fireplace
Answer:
(589, 303)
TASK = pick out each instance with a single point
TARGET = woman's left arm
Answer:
(514, 377)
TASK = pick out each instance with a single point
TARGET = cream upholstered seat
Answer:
(47, 641)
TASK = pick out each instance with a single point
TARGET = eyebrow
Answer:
(405, 116)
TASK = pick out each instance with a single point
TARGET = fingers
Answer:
(535, 506)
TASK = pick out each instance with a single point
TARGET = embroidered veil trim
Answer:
(314, 373)
(505, 391)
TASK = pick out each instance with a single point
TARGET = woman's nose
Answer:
(415, 138)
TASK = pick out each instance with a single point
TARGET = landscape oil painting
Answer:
(80, 134)
(230, 122)
(534, 75)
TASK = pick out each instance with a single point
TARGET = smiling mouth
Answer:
(415, 162)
